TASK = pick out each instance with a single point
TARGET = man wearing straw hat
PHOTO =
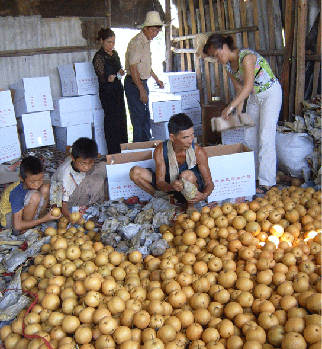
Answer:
(138, 66)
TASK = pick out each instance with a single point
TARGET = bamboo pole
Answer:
(300, 76)
(196, 59)
(255, 16)
(271, 33)
(203, 28)
(168, 35)
(244, 22)
(186, 31)
(181, 33)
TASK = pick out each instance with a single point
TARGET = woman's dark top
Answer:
(105, 65)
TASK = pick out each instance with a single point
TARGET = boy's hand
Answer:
(49, 217)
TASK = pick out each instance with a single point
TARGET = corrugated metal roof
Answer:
(34, 32)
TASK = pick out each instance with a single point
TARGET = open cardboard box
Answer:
(118, 169)
(139, 146)
(232, 169)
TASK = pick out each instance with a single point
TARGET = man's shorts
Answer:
(178, 195)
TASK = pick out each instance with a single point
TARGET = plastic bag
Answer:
(130, 230)
(291, 151)
(159, 247)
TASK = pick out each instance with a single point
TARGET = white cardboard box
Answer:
(175, 82)
(97, 111)
(118, 169)
(194, 114)
(7, 112)
(233, 171)
(68, 135)
(162, 111)
(10, 145)
(189, 99)
(37, 130)
(99, 136)
(32, 95)
(233, 135)
(160, 130)
(71, 111)
(78, 79)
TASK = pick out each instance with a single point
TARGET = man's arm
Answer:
(160, 169)
(136, 79)
(202, 162)
(20, 224)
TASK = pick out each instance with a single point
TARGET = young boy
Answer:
(77, 181)
(179, 157)
(23, 204)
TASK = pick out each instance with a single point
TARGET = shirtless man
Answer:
(177, 158)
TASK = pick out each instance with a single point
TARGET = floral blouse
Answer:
(264, 77)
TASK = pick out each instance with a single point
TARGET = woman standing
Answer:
(108, 68)
(252, 77)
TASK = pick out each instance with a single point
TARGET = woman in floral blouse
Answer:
(252, 78)
(108, 68)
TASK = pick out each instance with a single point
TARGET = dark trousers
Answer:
(115, 125)
(139, 112)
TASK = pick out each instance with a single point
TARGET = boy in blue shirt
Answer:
(23, 204)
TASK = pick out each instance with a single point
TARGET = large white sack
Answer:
(291, 151)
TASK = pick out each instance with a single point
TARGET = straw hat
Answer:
(152, 20)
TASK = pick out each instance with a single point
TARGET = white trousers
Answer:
(264, 108)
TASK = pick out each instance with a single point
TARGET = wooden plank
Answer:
(317, 65)
(255, 16)
(293, 69)
(271, 33)
(186, 32)
(181, 33)
(300, 74)
(244, 21)
(220, 18)
(285, 73)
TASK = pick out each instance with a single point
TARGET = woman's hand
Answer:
(111, 78)
(121, 71)
(225, 113)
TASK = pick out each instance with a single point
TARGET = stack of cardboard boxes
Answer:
(74, 113)
(32, 103)
(180, 95)
(10, 146)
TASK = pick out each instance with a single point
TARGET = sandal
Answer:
(262, 189)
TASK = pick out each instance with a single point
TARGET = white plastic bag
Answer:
(291, 151)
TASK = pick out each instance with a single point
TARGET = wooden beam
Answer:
(300, 74)
(255, 16)
(221, 32)
(46, 50)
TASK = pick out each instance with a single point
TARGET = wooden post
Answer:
(317, 65)
(300, 74)
(271, 33)
(168, 54)
(109, 14)
(244, 22)
(285, 73)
